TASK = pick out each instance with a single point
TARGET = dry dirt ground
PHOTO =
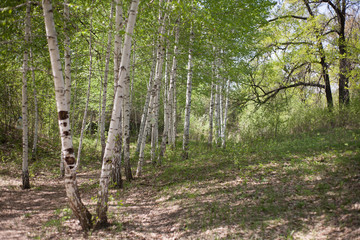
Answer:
(211, 209)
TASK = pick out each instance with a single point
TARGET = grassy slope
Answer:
(304, 187)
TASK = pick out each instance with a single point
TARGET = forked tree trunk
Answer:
(87, 97)
(73, 195)
(106, 73)
(185, 146)
(108, 159)
(324, 65)
(25, 142)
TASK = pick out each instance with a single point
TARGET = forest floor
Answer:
(296, 187)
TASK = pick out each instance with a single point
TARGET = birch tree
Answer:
(115, 119)
(116, 171)
(157, 85)
(211, 115)
(144, 114)
(25, 140)
(87, 95)
(72, 192)
(67, 56)
(106, 73)
(185, 146)
(224, 123)
(36, 110)
(172, 89)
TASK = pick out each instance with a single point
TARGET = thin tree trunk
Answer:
(186, 135)
(116, 177)
(87, 97)
(324, 65)
(143, 140)
(157, 86)
(172, 90)
(102, 204)
(36, 111)
(166, 111)
(146, 105)
(223, 143)
(25, 162)
(72, 192)
(116, 171)
(107, 60)
(211, 116)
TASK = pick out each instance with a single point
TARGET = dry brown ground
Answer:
(204, 210)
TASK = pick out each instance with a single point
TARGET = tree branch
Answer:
(288, 16)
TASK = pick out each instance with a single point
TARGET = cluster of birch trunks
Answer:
(116, 148)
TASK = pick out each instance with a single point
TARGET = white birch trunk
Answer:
(25, 142)
(106, 73)
(116, 177)
(211, 115)
(78, 208)
(116, 171)
(67, 56)
(157, 85)
(185, 146)
(172, 90)
(115, 119)
(146, 105)
(221, 112)
(87, 97)
(36, 110)
(143, 140)
(217, 106)
(118, 40)
(223, 143)
(166, 111)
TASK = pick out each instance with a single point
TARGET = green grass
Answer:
(265, 184)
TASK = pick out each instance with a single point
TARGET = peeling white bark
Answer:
(25, 140)
(106, 73)
(115, 118)
(185, 146)
(72, 192)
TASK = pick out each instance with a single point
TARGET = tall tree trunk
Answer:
(87, 97)
(115, 119)
(107, 60)
(67, 56)
(25, 162)
(344, 95)
(72, 192)
(146, 104)
(116, 178)
(324, 65)
(223, 143)
(116, 171)
(172, 89)
(185, 146)
(157, 85)
(167, 110)
(211, 114)
(36, 111)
